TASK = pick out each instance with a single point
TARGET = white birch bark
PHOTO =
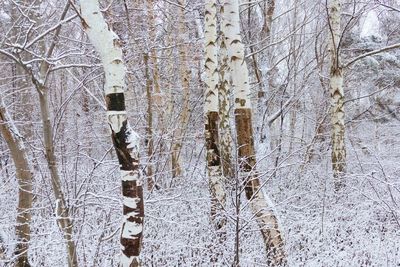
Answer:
(224, 90)
(126, 141)
(211, 108)
(337, 96)
(259, 203)
(184, 75)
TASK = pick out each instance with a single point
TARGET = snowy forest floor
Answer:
(360, 227)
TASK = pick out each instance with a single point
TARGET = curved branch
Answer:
(384, 49)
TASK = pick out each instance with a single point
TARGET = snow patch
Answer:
(130, 214)
(133, 138)
(126, 261)
(131, 230)
(115, 119)
(130, 202)
(4, 16)
(370, 28)
(129, 175)
(336, 83)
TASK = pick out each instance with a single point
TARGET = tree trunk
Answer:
(214, 168)
(337, 97)
(157, 95)
(24, 178)
(63, 217)
(125, 140)
(158, 100)
(224, 106)
(149, 137)
(259, 202)
(184, 77)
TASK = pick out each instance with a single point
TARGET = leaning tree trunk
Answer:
(214, 168)
(125, 139)
(337, 96)
(259, 202)
(24, 179)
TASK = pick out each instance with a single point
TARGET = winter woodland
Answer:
(199, 133)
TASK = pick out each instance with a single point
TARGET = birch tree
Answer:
(125, 139)
(154, 95)
(214, 168)
(224, 90)
(337, 95)
(24, 178)
(265, 217)
(185, 85)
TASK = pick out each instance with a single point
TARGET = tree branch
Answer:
(371, 54)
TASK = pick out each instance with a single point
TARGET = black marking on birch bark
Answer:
(115, 102)
(211, 128)
(131, 189)
(131, 246)
(245, 138)
(242, 102)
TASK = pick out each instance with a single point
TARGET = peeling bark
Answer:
(216, 179)
(259, 202)
(125, 140)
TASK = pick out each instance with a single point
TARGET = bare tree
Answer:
(39, 79)
(125, 139)
(24, 177)
(265, 217)
(211, 108)
(224, 90)
(337, 95)
(184, 75)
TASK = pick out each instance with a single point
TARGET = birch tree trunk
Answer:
(259, 202)
(157, 96)
(125, 139)
(24, 179)
(267, 84)
(184, 77)
(226, 142)
(149, 137)
(337, 96)
(214, 168)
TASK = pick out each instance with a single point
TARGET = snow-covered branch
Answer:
(384, 49)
